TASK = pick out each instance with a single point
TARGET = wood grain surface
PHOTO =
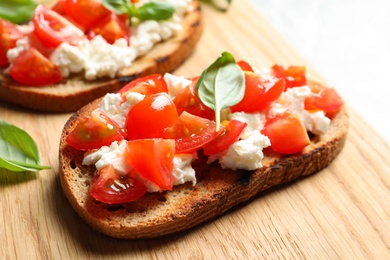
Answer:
(342, 212)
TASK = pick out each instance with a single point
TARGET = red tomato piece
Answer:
(153, 160)
(111, 28)
(188, 100)
(294, 76)
(260, 92)
(286, 133)
(150, 117)
(244, 66)
(33, 69)
(147, 85)
(230, 135)
(192, 132)
(37, 44)
(87, 13)
(327, 100)
(94, 131)
(9, 34)
(108, 186)
(60, 7)
(52, 29)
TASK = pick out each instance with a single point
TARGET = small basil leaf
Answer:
(17, 11)
(221, 85)
(20, 167)
(155, 11)
(222, 5)
(118, 6)
(18, 151)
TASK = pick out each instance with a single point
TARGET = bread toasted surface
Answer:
(74, 92)
(217, 190)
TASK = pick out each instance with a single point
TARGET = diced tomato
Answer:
(230, 135)
(245, 66)
(94, 131)
(327, 100)
(153, 160)
(52, 29)
(111, 28)
(192, 132)
(147, 85)
(9, 34)
(188, 100)
(260, 92)
(150, 117)
(60, 7)
(109, 186)
(294, 76)
(87, 13)
(37, 44)
(33, 69)
(286, 133)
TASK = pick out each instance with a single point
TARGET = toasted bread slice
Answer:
(75, 92)
(217, 190)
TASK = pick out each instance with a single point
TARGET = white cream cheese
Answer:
(254, 121)
(112, 154)
(95, 57)
(175, 84)
(21, 45)
(182, 169)
(245, 154)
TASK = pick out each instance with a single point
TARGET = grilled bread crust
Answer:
(74, 92)
(217, 190)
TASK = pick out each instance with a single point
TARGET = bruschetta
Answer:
(162, 156)
(47, 69)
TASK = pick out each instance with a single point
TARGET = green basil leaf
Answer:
(222, 5)
(18, 151)
(221, 85)
(17, 11)
(118, 6)
(155, 11)
(20, 167)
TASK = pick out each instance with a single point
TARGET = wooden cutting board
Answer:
(342, 212)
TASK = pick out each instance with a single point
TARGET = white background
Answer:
(348, 43)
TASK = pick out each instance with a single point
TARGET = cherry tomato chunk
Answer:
(150, 117)
(245, 66)
(230, 135)
(94, 131)
(87, 13)
(286, 133)
(294, 76)
(33, 69)
(260, 92)
(109, 186)
(153, 160)
(111, 28)
(147, 85)
(53, 29)
(192, 132)
(187, 100)
(327, 100)
(9, 34)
